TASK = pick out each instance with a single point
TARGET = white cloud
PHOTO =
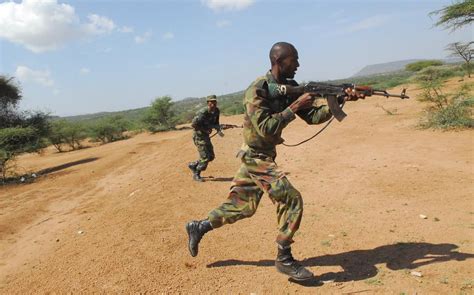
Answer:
(98, 25)
(84, 71)
(140, 39)
(223, 23)
(126, 29)
(218, 5)
(168, 35)
(368, 23)
(25, 74)
(43, 25)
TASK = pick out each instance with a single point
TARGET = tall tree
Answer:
(160, 116)
(20, 132)
(10, 95)
(463, 50)
(456, 15)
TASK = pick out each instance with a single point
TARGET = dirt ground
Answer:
(110, 219)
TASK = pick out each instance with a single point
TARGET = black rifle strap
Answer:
(317, 133)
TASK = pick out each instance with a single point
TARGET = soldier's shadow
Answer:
(361, 264)
(212, 178)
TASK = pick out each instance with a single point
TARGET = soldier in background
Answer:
(205, 120)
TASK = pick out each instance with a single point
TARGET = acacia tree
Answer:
(456, 15)
(10, 95)
(463, 50)
(20, 132)
(160, 116)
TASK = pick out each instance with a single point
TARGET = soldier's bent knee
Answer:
(282, 190)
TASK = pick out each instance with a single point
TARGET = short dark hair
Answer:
(280, 50)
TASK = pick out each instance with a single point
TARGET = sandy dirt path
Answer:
(111, 218)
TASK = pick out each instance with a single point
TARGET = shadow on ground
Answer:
(31, 177)
(211, 178)
(361, 264)
(66, 165)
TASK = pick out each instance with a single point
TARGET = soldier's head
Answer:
(284, 60)
(211, 102)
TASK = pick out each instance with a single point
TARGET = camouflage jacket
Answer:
(266, 117)
(205, 121)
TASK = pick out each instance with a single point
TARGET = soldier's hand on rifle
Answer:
(353, 95)
(305, 101)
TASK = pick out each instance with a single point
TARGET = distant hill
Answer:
(393, 66)
(384, 67)
(230, 104)
(384, 75)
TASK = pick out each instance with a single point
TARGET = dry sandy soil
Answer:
(110, 219)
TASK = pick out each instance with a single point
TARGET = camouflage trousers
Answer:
(205, 149)
(254, 177)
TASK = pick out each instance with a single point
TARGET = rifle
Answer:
(229, 126)
(333, 93)
(224, 127)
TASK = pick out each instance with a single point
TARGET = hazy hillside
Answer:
(384, 75)
(388, 67)
(384, 67)
(230, 104)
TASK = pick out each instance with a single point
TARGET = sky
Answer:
(87, 56)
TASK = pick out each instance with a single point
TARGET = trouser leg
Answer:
(242, 201)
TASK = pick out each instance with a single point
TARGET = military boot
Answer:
(192, 166)
(196, 230)
(197, 176)
(286, 264)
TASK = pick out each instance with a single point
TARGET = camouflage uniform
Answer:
(264, 121)
(203, 123)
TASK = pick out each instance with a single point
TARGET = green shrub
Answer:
(73, 133)
(420, 65)
(110, 129)
(434, 77)
(160, 116)
(18, 140)
(445, 110)
(56, 136)
(382, 81)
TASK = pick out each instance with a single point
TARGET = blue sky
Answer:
(77, 57)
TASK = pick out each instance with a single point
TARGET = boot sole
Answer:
(189, 240)
(295, 278)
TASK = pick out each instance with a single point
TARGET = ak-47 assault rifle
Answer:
(333, 93)
(224, 127)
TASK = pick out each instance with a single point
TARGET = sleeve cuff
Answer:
(288, 115)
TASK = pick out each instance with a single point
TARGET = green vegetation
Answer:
(67, 133)
(456, 15)
(374, 282)
(445, 110)
(383, 81)
(110, 129)
(160, 116)
(420, 65)
(20, 132)
(463, 50)
(326, 243)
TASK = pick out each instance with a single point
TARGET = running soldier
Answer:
(205, 120)
(264, 119)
